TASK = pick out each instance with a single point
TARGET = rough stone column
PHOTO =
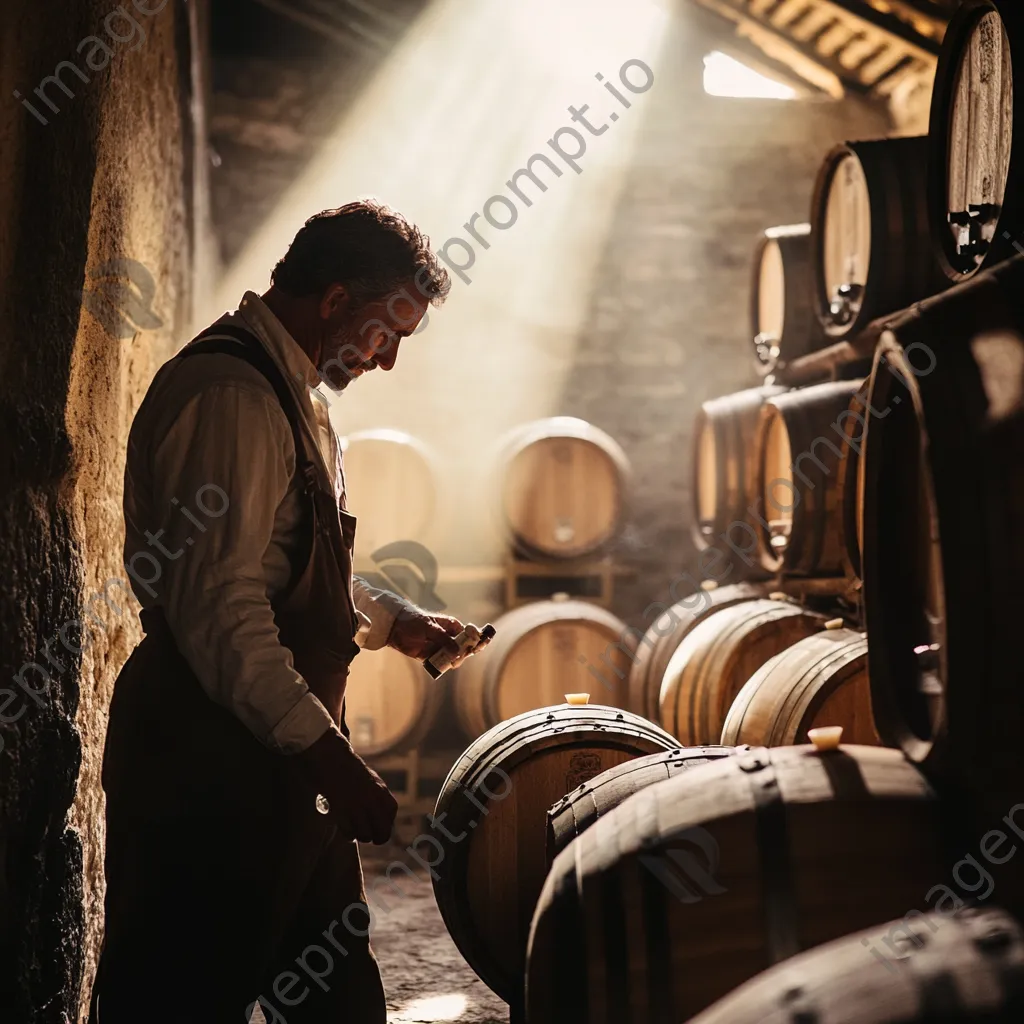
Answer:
(101, 189)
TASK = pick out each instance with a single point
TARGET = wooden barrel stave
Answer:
(802, 448)
(769, 847)
(540, 652)
(656, 648)
(870, 225)
(850, 483)
(944, 497)
(977, 139)
(563, 493)
(487, 881)
(718, 656)
(579, 809)
(821, 680)
(725, 463)
(783, 322)
(893, 972)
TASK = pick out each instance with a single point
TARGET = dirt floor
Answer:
(425, 976)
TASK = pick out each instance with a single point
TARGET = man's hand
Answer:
(360, 802)
(418, 634)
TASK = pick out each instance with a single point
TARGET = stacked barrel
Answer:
(711, 865)
(561, 501)
(392, 487)
(563, 489)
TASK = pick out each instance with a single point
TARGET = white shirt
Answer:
(213, 518)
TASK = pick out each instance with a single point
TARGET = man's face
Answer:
(359, 340)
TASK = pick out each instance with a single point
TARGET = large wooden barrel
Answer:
(693, 886)
(872, 242)
(801, 444)
(666, 633)
(782, 316)
(391, 486)
(915, 970)
(819, 681)
(563, 492)
(542, 651)
(977, 139)
(579, 809)
(494, 807)
(718, 656)
(943, 549)
(725, 467)
(390, 702)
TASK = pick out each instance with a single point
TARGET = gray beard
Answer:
(337, 382)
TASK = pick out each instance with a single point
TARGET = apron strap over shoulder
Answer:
(231, 340)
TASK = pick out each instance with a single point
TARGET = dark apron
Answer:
(217, 860)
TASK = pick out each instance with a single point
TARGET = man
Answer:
(233, 793)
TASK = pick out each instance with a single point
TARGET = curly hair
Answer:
(367, 247)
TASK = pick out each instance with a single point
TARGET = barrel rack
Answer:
(415, 778)
(517, 581)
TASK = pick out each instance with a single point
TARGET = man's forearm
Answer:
(382, 608)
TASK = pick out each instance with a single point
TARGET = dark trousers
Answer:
(224, 883)
(205, 917)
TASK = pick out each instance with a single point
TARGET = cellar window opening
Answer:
(729, 77)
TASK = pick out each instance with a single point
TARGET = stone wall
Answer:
(108, 177)
(669, 321)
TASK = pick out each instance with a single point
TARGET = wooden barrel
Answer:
(494, 807)
(800, 440)
(563, 492)
(943, 555)
(391, 486)
(850, 482)
(977, 141)
(666, 633)
(725, 466)
(390, 702)
(578, 810)
(542, 651)
(915, 970)
(872, 242)
(718, 656)
(694, 886)
(782, 316)
(821, 680)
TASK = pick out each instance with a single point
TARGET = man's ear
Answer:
(334, 300)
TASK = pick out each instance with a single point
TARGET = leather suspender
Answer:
(230, 340)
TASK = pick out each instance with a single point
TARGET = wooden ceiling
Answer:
(874, 47)
(360, 25)
(869, 46)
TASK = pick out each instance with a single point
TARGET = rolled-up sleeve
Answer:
(381, 608)
(219, 475)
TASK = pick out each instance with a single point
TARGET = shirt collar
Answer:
(298, 369)
(298, 366)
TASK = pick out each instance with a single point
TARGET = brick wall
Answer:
(668, 327)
